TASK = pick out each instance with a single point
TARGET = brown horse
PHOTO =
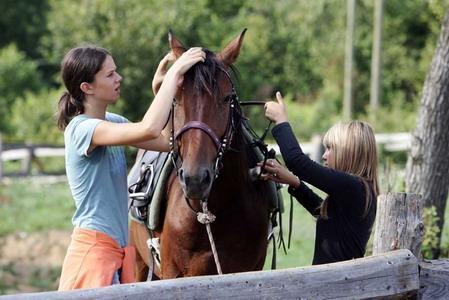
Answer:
(212, 161)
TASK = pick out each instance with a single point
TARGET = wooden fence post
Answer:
(28, 159)
(399, 223)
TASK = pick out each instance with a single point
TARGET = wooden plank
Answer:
(398, 223)
(393, 273)
(14, 154)
(49, 152)
(434, 279)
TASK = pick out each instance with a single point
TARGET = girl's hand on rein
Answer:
(278, 173)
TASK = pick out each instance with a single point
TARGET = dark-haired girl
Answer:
(98, 254)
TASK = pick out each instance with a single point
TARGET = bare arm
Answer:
(150, 128)
(160, 143)
(161, 71)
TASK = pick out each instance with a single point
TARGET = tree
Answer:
(428, 162)
(23, 23)
(18, 75)
(294, 46)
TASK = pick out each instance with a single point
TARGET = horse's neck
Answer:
(235, 171)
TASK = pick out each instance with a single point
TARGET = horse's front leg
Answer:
(138, 235)
(169, 263)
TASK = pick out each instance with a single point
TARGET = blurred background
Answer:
(299, 47)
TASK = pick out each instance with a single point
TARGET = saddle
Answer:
(146, 182)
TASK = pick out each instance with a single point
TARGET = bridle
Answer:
(222, 145)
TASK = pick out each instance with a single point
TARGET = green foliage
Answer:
(33, 118)
(431, 230)
(408, 35)
(397, 116)
(23, 23)
(18, 75)
(391, 174)
(293, 46)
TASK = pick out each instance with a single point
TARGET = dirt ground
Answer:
(31, 262)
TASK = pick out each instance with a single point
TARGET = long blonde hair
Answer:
(354, 150)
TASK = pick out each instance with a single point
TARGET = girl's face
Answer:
(106, 84)
(328, 158)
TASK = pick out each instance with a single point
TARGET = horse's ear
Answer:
(175, 45)
(230, 53)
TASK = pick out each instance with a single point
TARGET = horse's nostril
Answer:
(206, 177)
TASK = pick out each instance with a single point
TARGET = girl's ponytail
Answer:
(68, 107)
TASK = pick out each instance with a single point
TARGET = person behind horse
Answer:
(98, 254)
(349, 177)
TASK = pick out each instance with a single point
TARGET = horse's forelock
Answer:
(203, 74)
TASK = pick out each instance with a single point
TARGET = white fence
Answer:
(28, 154)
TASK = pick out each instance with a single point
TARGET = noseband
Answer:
(221, 145)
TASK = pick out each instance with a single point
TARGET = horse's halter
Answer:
(221, 145)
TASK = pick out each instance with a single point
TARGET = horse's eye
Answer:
(228, 97)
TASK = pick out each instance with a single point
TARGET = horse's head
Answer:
(203, 121)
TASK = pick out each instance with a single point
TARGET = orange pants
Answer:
(92, 259)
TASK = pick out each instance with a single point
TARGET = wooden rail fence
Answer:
(29, 153)
(394, 273)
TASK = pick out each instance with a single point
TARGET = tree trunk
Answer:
(428, 161)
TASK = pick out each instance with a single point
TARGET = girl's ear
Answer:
(86, 88)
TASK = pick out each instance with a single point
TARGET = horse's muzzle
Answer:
(196, 185)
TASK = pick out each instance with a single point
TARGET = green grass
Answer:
(30, 205)
(38, 165)
(302, 241)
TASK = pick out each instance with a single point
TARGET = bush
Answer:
(18, 75)
(431, 231)
(33, 118)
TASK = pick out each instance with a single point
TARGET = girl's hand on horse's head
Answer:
(276, 110)
(187, 60)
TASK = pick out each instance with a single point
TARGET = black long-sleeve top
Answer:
(345, 233)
